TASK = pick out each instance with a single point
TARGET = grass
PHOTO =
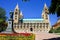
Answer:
(57, 33)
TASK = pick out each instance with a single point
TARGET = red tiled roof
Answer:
(56, 24)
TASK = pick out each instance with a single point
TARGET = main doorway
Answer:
(31, 29)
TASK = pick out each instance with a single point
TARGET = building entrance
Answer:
(31, 29)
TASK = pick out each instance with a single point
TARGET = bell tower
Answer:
(45, 12)
(16, 14)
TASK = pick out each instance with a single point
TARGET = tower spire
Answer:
(45, 12)
(45, 6)
(16, 14)
(21, 13)
(17, 7)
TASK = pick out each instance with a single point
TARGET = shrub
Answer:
(55, 30)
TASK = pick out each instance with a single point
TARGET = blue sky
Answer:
(31, 9)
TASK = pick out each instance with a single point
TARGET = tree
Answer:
(3, 23)
(58, 30)
(52, 30)
(55, 30)
(55, 7)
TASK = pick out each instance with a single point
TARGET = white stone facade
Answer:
(31, 25)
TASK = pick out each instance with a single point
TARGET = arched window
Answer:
(15, 13)
(46, 16)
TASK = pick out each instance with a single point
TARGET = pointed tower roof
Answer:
(21, 13)
(17, 7)
(45, 6)
(44, 9)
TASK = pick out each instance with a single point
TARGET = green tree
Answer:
(3, 23)
(55, 30)
(51, 30)
(55, 7)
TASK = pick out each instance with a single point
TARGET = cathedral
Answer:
(21, 25)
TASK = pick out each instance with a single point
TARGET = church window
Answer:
(24, 25)
(45, 9)
(34, 26)
(27, 25)
(18, 26)
(40, 24)
(16, 18)
(21, 25)
(44, 25)
(15, 13)
(47, 25)
(37, 26)
(46, 16)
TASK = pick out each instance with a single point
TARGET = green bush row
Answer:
(55, 30)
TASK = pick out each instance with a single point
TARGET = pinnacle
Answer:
(45, 6)
(21, 13)
(17, 6)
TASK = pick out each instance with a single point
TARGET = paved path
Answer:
(41, 36)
